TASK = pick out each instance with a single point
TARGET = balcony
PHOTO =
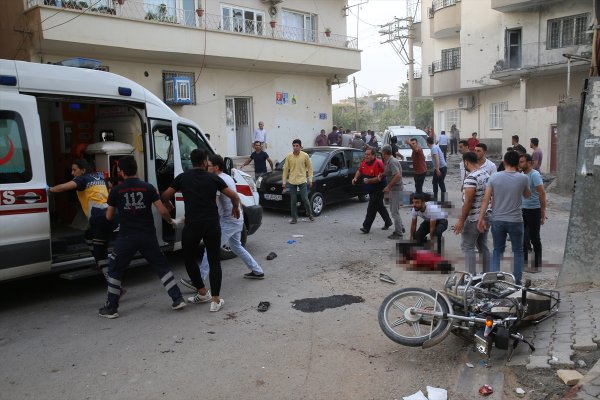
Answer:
(445, 18)
(519, 5)
(445, 76)
(446, 64)
(139, 31)
(531, 58)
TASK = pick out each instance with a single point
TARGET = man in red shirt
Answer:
(419, 165)
(371, 170)
(473, 141)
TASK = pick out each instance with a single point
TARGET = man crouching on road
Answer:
(133, 199)
(199, 188)
(434, 221)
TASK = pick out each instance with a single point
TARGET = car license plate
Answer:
(275, 197)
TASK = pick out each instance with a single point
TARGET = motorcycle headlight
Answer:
(258, 182)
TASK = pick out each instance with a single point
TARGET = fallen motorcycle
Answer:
(486, 308)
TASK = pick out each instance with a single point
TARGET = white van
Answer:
(404, 133)
(51, 115)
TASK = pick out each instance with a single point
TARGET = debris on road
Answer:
(417, 396)
(469, 365)
(271, 255)
(434, 393)
(520, 391)
(386, 278)
(263, 306)
(297, 236)
(569, 376)
(291, 241)
(486, 390)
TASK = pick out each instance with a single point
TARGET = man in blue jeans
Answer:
(439, 169)
(506, 188)
(297, 171)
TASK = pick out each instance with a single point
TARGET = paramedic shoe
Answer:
(108, 312)
(198, 298)
(188, 284)
(214, 307)
(254, 275)
(178, 304)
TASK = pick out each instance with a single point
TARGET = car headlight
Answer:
(258, 182)
(250, 182)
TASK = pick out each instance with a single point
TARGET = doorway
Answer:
(238, 115)
(513, 48)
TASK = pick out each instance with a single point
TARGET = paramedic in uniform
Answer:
(133, 200)
(92, 194)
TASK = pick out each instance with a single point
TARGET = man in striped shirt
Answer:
(473, 190)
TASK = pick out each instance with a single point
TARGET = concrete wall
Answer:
(568, 133)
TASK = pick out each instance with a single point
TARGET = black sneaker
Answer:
(188, 284)
(178, 304)
(364, 230)
(108, 312)
(254, 275)
(395, 236)
(386, 227)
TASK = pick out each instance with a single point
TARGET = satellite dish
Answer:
(273, 11)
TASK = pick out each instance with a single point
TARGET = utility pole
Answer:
(355, 105)
(399, 33)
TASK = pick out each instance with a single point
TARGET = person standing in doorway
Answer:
(371, 171)
(443, 143)
(297, 174)
(534, 212)
(133, 200)
(506, 189)
(393, 175)
(454, 138)
(199, 188)
(419, 165)
(473, 141)
(484, 163)
(473, 190)
(537, 154)
(439, 170)
(260, 159)
(260, 135)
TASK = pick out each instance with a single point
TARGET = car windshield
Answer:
(403, 138)
(317, 158)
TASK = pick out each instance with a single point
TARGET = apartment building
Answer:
(224, 64)
(500, 67)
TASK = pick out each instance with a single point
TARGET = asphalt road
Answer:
(54, 345)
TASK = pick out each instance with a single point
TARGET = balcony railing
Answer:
(161, 13)
(439, 4)
(446, 64)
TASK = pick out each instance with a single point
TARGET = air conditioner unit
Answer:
(466, 102)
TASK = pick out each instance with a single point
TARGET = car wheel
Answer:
(317, 203)
(226, 253)
(363, 198)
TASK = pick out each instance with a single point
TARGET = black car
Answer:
(333, 170)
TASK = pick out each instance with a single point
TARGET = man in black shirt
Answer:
(199, 188)
(260, 159)
(516, 146)
(133, 199)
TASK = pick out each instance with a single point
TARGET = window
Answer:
(179, 87)
(496, 114)
(513, 48)
(190, 139)
(357, 157)
(452, 118)
(299, 26)
(242, 20)
(15, 164)
(450, 59)
(567, 31)
(160, 10)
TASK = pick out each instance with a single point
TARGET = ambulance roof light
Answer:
(124, 91)
(8, 80)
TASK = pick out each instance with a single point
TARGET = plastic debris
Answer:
(271, 255)
(297, 236)
(104, 373)
(417, 396)
(520, 391)
(486, 390)
(291, 241)
(434, 393)
(581, 364)
(469, 365)
(386, 278)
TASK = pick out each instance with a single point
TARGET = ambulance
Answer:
(51, 115)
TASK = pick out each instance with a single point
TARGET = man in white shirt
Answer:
(484, 164)
(434, 223)
(443, 143)
(260, 135)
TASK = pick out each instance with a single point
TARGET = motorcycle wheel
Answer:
(408, 329)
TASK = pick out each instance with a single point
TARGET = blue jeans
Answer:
(294, 198)
(231, 234)
(515, 232)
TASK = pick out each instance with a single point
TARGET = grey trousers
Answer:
(471, 239)
(395, 203)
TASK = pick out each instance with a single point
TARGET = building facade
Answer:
(500, 67)
(224, 65)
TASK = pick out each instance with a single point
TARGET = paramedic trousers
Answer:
(125, 248)
(210, 233)
(97, 236)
